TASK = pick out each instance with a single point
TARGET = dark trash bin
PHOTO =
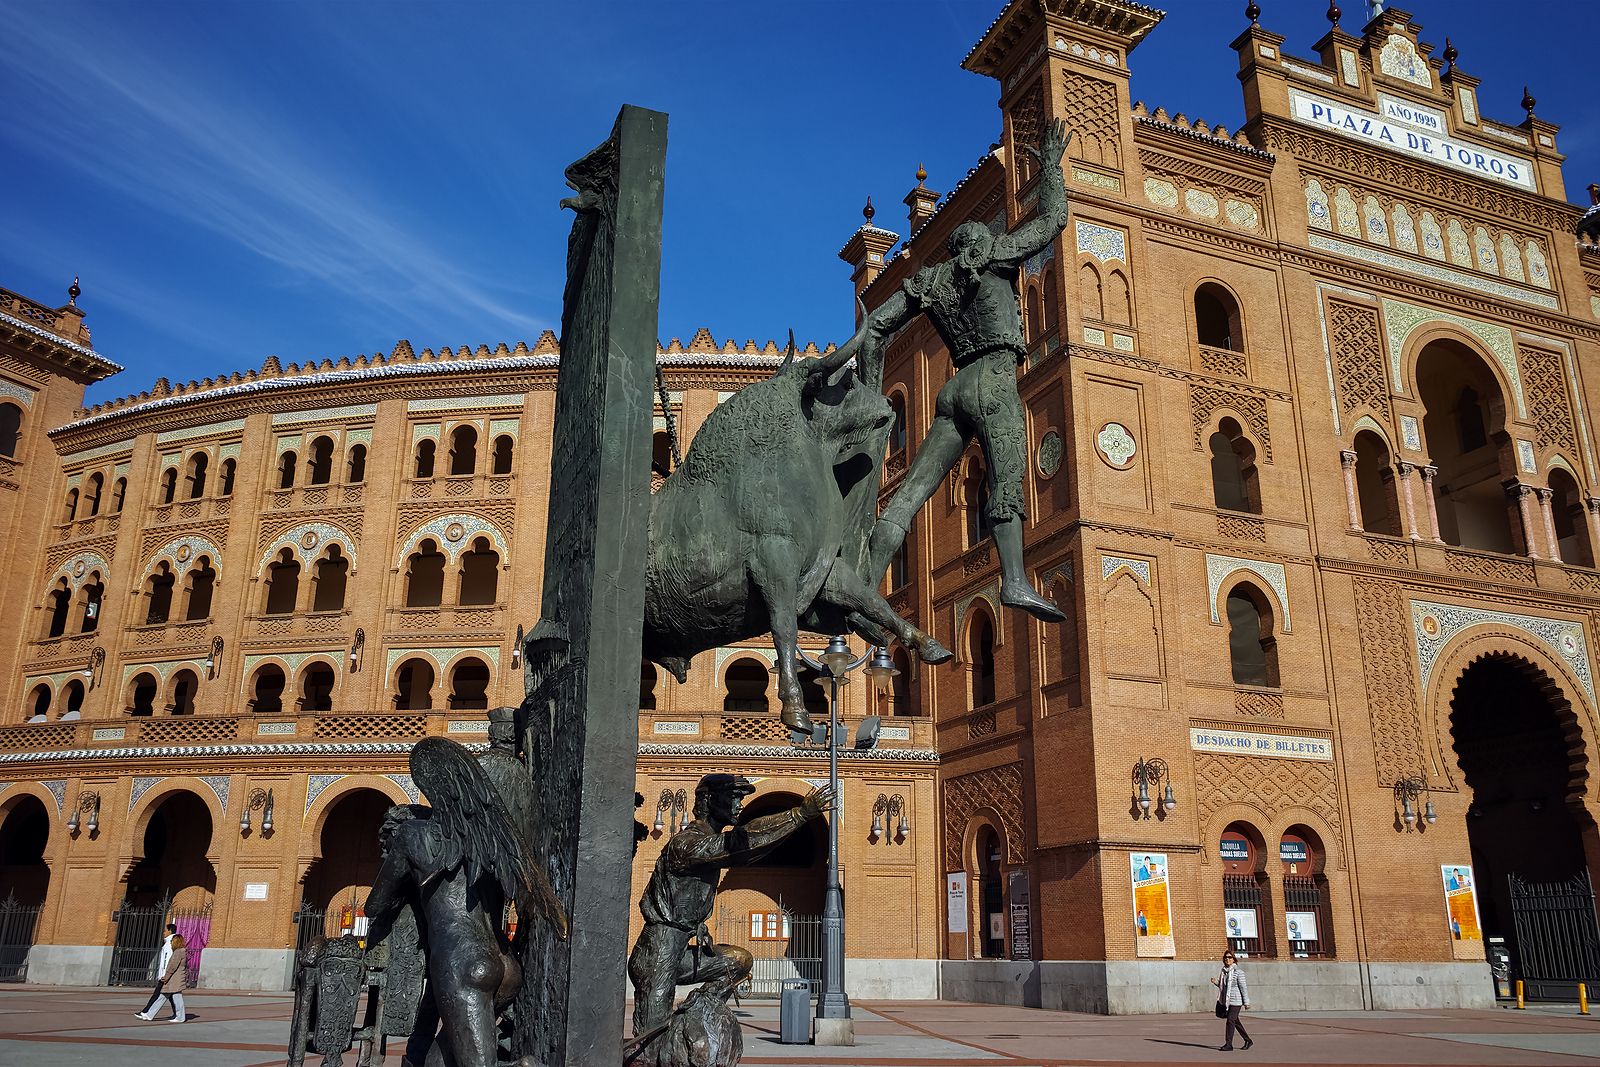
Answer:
(794, 1012)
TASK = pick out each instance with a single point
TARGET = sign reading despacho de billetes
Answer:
(1247, 743)
(1412, 131)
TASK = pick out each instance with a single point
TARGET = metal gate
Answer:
(1558, 937)
(18, 923)
(794, 952)
(140, 930)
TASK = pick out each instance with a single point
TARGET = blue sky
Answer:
(313, 180)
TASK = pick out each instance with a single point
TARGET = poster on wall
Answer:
(1018, 897)
(955, 899)
(1241, 923)
(1302, 928)
(1152, 905)
(1461, 911)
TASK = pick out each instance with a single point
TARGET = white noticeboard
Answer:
(1302, 925)
(255, 891)
(955, 897)
(1241, 922)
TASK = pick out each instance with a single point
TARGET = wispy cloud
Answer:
(137, 122)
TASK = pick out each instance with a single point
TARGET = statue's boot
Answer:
(887, 537)
(1015, 589)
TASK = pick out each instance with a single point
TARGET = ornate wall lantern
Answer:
(359, 643)
(214, 657)
(1148, 773)
(674, 804)
(1406, 793)
(259, 800)
(88, 804)
(887, 810)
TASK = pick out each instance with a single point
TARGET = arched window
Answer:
(1235, 484)
(425, 576)
(902, 699)
(286, 465)
(897, 429)
(1252, 644)
(746, 683)
(184, 685)
(900, 566)
(39, 703)
(1064, 637)
(648, 676)
(319, 462)
(91, 494)
(119, 495)
(89, 598)
(414, 686)
(1091, 300)
(1375, 488)
(1306, 910)
(1119, 299)
(70, 512)
(316, 688)
(660, 453)
(425, 451)
(355, 467)
(980, 659)
(266, 690)
(74, 694)
(480, 573)
(225, 482)
(142, 695)
(1572, 527)
(59, 604)
(195, 476)
(469, 685)
(505, 448)
(283, 584)
(1246, 896)
(169, 485)
(1463, 424)
(10, 429)
(464, 450)
(1052, 318)
(201, 583)
(331, 574)
(1217, 322)
(975, 498)
(1033, 319)
(158, 594)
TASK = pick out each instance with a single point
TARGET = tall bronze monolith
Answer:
(579, 719)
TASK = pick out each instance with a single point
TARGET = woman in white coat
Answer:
(1233, 996)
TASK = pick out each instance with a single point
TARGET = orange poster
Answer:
(1461, 903)
(1152, 903)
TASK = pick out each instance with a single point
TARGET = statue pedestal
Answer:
(833, 1032)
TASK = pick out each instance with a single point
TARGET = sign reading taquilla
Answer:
(1362, 125)
(1245, 743)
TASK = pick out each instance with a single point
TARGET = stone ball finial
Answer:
(868, 211)
(1450, 55)
(1334, 14)
(922, 174)
(74, 292)
(1252, 12)
(1528, 101)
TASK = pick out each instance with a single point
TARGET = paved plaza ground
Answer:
(54, 1027)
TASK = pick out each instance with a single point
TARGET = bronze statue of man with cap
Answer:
(678, 899)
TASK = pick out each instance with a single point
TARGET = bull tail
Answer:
(788, 353)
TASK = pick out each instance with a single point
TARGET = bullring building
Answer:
(1312, 471)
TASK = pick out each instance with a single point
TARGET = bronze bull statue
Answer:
(745, 535)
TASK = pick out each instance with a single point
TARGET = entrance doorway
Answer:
(1517, 742)
(338, 884)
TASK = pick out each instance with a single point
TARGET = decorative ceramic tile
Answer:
(1469, 104)
(1100, 181)
(354, 411)
(1161, 192)
(1110, 565)
(78, 568)
(21, 394)
(726, 655)
(316, 785)
(290, 443)
(442, 657)
(164, 669)
(1410, 433)
(98, 453)
(1243, 215)
(1348, 67)
(661, 727)
(1116, 444)
(220, 785)
(1048, 455)
(467, 726)
(1035, 264)
(1594, 306)
(1400, 319)
(58, 789)
(1102, 242)
(1307, 72)
(428, 431)
(293, 661)
(990, 595)
(1094, 336)
(467, 403)
(1405, 265)
(275, 729)
(1122, 342)
(454, 534)
(213, 429)
(1317, 206)
(358, 437)
(308, 541)
(509, 427)
(1399, 59)
(182, 552)
(229, 451)
(407, 786)
(1219, 568)
(109, 733)
(141, 786)
(1434, 625)
(1201, 203)
(1525, 460)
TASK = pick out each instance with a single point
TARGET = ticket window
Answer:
(1246, 903)
(1305, 895)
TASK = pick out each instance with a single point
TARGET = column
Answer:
(1591, 514)
(1429, 473)
(1544, 496)
(1523, 494)
(1347, 460)
(1407, 501)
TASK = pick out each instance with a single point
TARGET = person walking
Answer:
(148, 1012)
(1233, 996)
(175, 979)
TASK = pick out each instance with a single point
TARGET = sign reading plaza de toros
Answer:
(1246, 743)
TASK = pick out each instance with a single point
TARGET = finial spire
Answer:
(1450, 55)
(1528, 101)
(1252, 12)
(1334, 14)
(922, 174)
(868, 211)
(74, 292)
